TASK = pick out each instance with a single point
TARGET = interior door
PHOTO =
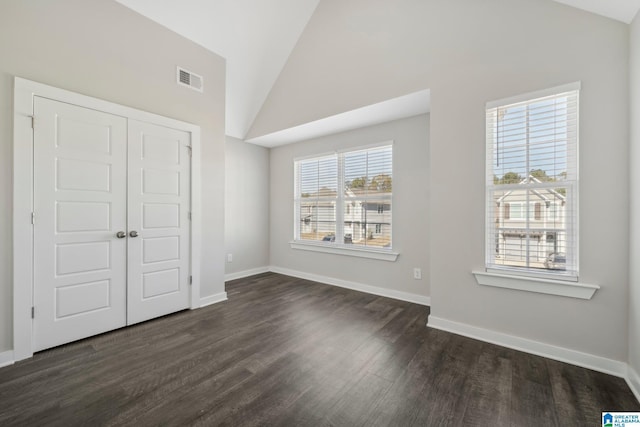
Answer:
(79, 207)
(159, 224)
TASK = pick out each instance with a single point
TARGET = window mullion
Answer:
(526, 198)
(339, 216)
(296, 202)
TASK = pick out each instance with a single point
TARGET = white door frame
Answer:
(24, 93)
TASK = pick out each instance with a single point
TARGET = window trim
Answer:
(533, 95)
(347, 250)
(385, 253)
(550, 283)
(518, 278)
(536, 284)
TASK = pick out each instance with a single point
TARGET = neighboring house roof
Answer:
(369, 192)
(545, 194)
(349, 192)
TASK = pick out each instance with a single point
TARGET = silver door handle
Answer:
(133, 234)
(121, 234)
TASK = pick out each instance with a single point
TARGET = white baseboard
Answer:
(212, 299)
(585, 360)
(633, 379)
(245, 273)
(6, 358)
(383, 292)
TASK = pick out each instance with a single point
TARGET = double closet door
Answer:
(111, 222)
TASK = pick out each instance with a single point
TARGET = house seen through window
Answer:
(532, 184)
(345, 198)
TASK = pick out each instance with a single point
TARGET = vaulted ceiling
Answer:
(621, 10)
(257, 36)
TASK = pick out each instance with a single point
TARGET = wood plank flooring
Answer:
(289, 352)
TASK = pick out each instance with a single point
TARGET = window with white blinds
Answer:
(345, 198)
(532, 184)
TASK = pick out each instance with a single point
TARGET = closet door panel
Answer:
(159, 224)
(79, 207)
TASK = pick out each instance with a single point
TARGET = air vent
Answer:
(189, 79)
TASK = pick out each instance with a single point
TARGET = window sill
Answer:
(542, 286)
(379, 254)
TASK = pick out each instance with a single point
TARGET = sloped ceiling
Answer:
(621, 10)
(257, 36)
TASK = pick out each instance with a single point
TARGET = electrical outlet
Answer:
(229, 257)
(417, 273)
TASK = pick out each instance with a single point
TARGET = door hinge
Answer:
(191, 280)
(33, 122)
(190, 148)
(33, 312)
(33, 218)
(189, 215)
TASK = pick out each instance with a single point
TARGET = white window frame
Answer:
(338, 246)
(547, 282)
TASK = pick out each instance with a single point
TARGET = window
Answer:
(532, 184)
(515, 211)
(345, 198)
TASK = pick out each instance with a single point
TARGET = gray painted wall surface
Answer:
(246, 206)
(634, 282)
(357, 52)
(410, 208)
(102, 49)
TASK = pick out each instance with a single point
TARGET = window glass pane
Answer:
(532, 174)
(531, 141)
(522, 240)
(363, 204)
(368, 175)
(316, 187)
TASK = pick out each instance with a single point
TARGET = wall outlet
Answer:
(229, 257)
(417, 273)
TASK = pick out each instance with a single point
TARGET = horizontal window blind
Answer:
(357, 214)
(367, 196)
(532, 185)
(316, 197)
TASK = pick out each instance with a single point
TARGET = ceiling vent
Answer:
(189, 79)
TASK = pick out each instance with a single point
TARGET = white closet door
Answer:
(158, 216)
(79, 206)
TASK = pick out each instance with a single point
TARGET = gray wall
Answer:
(102, 49)
(410, 208)
(357, 52)
(246, 234)
(634, 297)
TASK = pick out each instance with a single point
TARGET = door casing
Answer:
(23, 188)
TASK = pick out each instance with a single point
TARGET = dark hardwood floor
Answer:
(289, 352)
